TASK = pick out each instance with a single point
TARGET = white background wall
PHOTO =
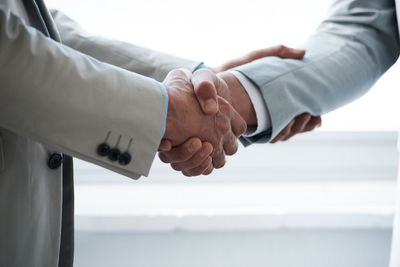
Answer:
(216, 30)
(349, 225)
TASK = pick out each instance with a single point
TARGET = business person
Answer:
(350, 50)
(56, 100)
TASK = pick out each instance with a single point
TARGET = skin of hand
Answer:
(206, 96)
(185, 118)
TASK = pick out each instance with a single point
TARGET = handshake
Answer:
(209, 109)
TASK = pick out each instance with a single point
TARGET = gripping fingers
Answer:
(230, 144)
(299, 125)
(200, 169)
(218, 158)
(238, 124)
(287, 52)
(182, 152)
(314, 122)
(196, 161)
(209, 169)
(284, 132)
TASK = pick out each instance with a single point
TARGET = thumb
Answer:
(204, 88)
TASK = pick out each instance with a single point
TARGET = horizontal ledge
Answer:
(233, 222)
(315, 156)
(173, 207)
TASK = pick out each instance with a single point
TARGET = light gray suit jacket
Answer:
(350, 50)
(66, 98)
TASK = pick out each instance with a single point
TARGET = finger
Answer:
(204, 84)
(314, 122)
(300, 123)
(165, 145)
(283, 133)
(287, 52)
(199, 169)
(230, 144)
(209, 169)
(218, 158)
(277, 51)
(195, 161)
(182, 152)
(238, 124)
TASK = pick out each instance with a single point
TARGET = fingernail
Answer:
(210, 104)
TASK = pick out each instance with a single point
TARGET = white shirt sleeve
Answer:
(260, 107)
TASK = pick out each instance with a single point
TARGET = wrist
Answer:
(171, 114)
(240, 100)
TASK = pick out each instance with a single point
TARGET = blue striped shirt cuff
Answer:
(165, 93)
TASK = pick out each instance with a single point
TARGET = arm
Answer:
(191, 157)
(351, 49)
(124, 55)
(70, 102)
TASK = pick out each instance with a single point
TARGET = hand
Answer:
(301, 124)
(181, 156)
(241, 102)
(275, 51)
(185, 118)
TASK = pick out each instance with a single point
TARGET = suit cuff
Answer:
(165, 93)
(260, 107)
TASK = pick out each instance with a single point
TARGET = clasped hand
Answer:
(207, 112)
(218, 122)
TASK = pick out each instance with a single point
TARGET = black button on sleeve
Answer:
(55, 161)
(103, 149)
(114, 154)
(125, 158)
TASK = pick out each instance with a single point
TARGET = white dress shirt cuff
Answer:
(262, 113)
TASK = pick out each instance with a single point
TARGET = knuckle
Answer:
(196, 173)
(285, 131)
(232, 150)
(220, 164)
(187, 174)
(205, 89)
(305, 117)
(176, 167)
(196, 161)
(209, 172)
(281, 47)
(183, 154)
(163, 157)
(224, 126)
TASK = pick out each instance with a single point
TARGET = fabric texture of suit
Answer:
(351, 49)
(64, 90)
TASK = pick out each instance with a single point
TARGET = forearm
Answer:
(131, 57)
(70, 102)
(349, 52)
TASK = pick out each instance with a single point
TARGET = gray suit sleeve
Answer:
(350, 50)
(70, 102)
(131, 57)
